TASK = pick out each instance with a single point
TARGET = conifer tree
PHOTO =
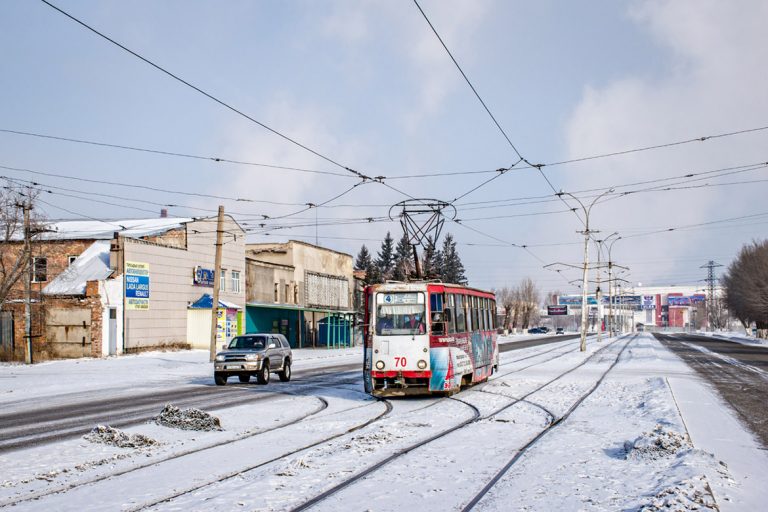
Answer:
(386, 258)
(402, 265)
(453, 269)
(429, 261)
(364, 262)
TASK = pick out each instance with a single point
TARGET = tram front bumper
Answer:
(399, 383)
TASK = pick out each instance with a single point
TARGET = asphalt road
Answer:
(44, 423)
(738, 372)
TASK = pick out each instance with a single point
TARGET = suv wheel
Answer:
(220, 378)
(285, 375)
(263, 376)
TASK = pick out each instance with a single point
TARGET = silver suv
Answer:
(254, 354)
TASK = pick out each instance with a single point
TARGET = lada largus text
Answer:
(254, 354)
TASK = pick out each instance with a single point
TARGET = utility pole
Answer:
(28, 282)
(710, 266)
(216, 281)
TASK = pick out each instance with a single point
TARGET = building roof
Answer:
(104, 230)
(206, 302)
(91, 265)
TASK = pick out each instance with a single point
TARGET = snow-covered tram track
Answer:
(553, 420)
(302, 390)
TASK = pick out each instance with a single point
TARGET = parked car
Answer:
(254, 354)
(536, 330)
(560, 330)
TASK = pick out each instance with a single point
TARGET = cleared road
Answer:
(738, 372)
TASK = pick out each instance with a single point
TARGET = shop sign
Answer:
(203, 276)
(557, 310)
(136, 285)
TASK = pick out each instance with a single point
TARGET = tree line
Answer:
(396, 263)
(745, 286)
(520, 303)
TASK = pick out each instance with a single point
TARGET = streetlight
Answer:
(587, 233)
(598, 293)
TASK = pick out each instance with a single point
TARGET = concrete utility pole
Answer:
(28, 282)
(586, 232)
(216, 281)
(710, 266)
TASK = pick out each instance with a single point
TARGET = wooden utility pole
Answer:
(28, 283)
(216, 281)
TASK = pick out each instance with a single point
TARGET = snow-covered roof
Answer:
(92, 264)
(105, 229)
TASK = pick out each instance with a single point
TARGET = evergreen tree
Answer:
(364, 262)
(429, 267)
(402, 265)
(453, 269)
(386, 258)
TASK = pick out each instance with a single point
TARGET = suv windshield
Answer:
(252, 342)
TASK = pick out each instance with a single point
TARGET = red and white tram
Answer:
(427, 337)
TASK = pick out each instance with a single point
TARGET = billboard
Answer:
(136, 285)
(649, 302)
(679, 301)
(557, 310)
(575, 300)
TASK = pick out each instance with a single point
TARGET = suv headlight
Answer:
(220, 358)
(252, 357)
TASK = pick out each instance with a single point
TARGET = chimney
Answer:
(163, 213)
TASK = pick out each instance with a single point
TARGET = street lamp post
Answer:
(587, 233)
(610, 295)
(598, 292)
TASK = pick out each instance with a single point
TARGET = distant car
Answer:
(560, 330)
(254, 354)
(536, 330)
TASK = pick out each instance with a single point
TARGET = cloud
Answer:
(713, 81)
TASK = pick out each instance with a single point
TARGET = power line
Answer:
(176, 154)
(206, 94)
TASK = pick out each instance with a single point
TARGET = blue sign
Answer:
(137, 287)
(203, 276)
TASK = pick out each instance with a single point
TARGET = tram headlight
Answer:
(379, 365)
(421, 364)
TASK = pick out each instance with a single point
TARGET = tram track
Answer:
(464, 424)
(23, 429)
(323, 405)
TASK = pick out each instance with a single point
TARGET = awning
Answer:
(296, 307)
(206, 302)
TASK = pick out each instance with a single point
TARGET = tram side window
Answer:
(461, 318)
(437, 312)
(450, 314)
(483, 317)
(467, 313)
(493, 315)
(487, 314)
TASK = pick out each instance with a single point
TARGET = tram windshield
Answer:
(400, 319)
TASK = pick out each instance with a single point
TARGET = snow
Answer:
(105, 229)
(91, 265)
(651, 436)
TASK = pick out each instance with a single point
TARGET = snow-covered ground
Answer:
(650, 434)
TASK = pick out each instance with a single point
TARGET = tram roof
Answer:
(421, 285)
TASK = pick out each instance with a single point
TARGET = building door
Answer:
(6, 332)
(112, 331)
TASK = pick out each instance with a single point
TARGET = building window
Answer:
(287, 293)
(223, 280)
(295, 294)
(277, 291)
(39, 270)
(71, 259)
(235, 285)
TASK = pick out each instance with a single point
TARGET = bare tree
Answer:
(746, 286)
(506, 297)
(530, 298)
(13, 253)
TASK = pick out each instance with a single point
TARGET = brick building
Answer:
(80, 303)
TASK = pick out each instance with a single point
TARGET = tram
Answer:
(427, 337)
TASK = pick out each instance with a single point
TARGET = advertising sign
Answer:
(697, 298)
(202, 276)
(679, 301)
(557, 310)
(575, 300)
(649, 302)
(136, 285)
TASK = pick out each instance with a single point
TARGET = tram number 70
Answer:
(400, 362)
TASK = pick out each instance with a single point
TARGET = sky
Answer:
(367, 89)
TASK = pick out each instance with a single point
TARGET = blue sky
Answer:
(368, 85)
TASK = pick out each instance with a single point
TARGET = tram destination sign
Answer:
(557, 310)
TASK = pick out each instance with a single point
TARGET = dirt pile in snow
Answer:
(105, 434)
(187, 419)
(657, 444)
(691, 494)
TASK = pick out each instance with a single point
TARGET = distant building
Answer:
(300, 290)
(648, 307)
(108, 287)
